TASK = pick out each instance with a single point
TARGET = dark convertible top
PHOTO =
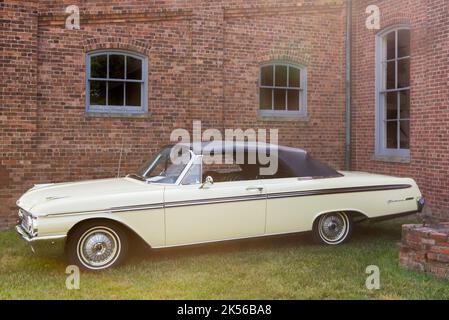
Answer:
(292, 162)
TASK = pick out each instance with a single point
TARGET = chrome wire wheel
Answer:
(98, 248)
(333, 228)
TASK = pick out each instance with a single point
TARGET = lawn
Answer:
(273, 268)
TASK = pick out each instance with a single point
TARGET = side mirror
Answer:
(207, 181)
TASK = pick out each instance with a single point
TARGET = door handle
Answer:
(260, 189)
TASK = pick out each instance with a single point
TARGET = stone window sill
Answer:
(393, 159)
(145, 115)
(282, 117)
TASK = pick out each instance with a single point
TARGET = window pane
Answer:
(98, 66)
(390, 40)
(405, 104)
(293, 100)
(392, 105)
(392, 134)
(133, 94)
(266, 77)
(116, 66)
(279, 99)
(404, 73)
(193, 176)
(391, 75)
(265, 99)
(403, 43)
(98, 93)
(294, 76)
(133, 68)
(281, 76)
(115, 93)
(405, 134)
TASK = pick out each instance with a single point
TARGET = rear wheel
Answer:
(97, 245)
(332, 228)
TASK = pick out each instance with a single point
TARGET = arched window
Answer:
(116, 82)
(393, 92)
(282, 90)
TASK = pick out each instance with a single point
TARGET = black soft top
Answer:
(292, 162)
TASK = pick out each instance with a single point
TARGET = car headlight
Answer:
(29, 223)
(33, 226)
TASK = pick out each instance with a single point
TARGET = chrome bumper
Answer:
(421, 203)
(56, 241)
(29, 238)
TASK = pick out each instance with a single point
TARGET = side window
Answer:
(221, 167)
(116, 82)
(193, 176)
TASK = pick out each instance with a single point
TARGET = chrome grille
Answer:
(24, 221)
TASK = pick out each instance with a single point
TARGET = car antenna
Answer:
(120, 158)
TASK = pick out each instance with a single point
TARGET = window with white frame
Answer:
(283, 90)
(116, 82)
(393, 92)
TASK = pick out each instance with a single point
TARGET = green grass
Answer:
(273, 268)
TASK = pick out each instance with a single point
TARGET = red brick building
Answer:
(137, 69)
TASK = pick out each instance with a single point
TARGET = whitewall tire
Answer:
(97, 245)
(332, 228)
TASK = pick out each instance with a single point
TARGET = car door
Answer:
(218, 211)
(289, 207)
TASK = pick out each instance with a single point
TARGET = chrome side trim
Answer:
(337, 191)
(29, 238)
(137, 208)
(112, 210)
(215, 200)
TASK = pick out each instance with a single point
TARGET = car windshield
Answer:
(161, 169)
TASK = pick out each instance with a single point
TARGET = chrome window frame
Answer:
(184, 172)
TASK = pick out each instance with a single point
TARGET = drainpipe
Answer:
(348, 84)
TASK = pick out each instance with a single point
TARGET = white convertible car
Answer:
(174, 204)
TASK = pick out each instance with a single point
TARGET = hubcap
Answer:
(98, 248)
(333, 227)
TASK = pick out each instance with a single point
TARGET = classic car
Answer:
(168, 203)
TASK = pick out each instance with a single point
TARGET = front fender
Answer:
(147, 224)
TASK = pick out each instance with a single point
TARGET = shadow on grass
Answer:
(365, 234)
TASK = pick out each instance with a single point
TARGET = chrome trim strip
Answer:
(115, 209)
(29, 238)
(337, 191)
(215, 200)
(137, 208)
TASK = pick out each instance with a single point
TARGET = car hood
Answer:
(89, 195)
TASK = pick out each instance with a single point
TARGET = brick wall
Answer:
(204, 59)
(429, 165)
(426, 249)
(18, 102)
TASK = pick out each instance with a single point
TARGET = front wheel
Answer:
(332, 228)
(97, 245)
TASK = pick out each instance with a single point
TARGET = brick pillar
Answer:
(436, 113)
(18, 101)
(206, 84)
